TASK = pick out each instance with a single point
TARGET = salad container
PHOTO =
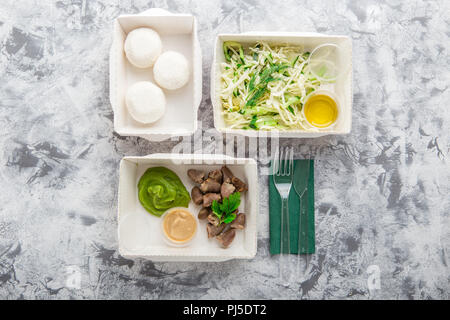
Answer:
(342, 87)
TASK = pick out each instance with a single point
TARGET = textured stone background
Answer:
(382, 192)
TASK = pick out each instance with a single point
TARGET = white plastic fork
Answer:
(282, 172)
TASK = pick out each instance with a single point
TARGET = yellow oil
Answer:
(321, 110)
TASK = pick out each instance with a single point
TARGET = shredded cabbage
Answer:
(264, 87)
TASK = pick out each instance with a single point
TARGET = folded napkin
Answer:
(294, 210)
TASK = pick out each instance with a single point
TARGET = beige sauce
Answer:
(179, 225)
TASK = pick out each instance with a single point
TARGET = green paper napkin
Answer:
(275, 215)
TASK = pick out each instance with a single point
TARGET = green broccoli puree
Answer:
(160, 189)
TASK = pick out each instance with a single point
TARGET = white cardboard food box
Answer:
(342, 88)
(178, 32)
(139, 232)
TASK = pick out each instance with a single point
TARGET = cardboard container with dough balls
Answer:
(178, 33)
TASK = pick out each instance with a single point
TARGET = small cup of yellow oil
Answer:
(321, 109)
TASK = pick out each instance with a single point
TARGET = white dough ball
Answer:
(145, 101)
(171, 70)
(142, 47)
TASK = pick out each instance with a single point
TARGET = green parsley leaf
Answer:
(225, 210)
(215, 207)
(230, 218)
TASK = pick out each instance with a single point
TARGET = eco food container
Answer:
(178, 32)
(139, 232)
(342, 87)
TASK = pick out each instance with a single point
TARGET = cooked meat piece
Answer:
(214, 231)
(226, 189)
(203, 213)
(209, 198)
(239, 184)
(216, 175)
(196, 175)
(197, 195)
(227, 174)
(213, 219)
(226, 237)
(239, 222)
(210, 185)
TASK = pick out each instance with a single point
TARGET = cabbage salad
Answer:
(264, 87)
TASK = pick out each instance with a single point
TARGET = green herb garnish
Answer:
(258, 90)
(241, 54)
(251, 85)
(291, 110)
(253, 122)
(225, 210)
(258, 94)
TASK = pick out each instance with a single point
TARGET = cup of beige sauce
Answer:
(179, 226)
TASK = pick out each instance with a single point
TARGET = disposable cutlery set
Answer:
(288, 178)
